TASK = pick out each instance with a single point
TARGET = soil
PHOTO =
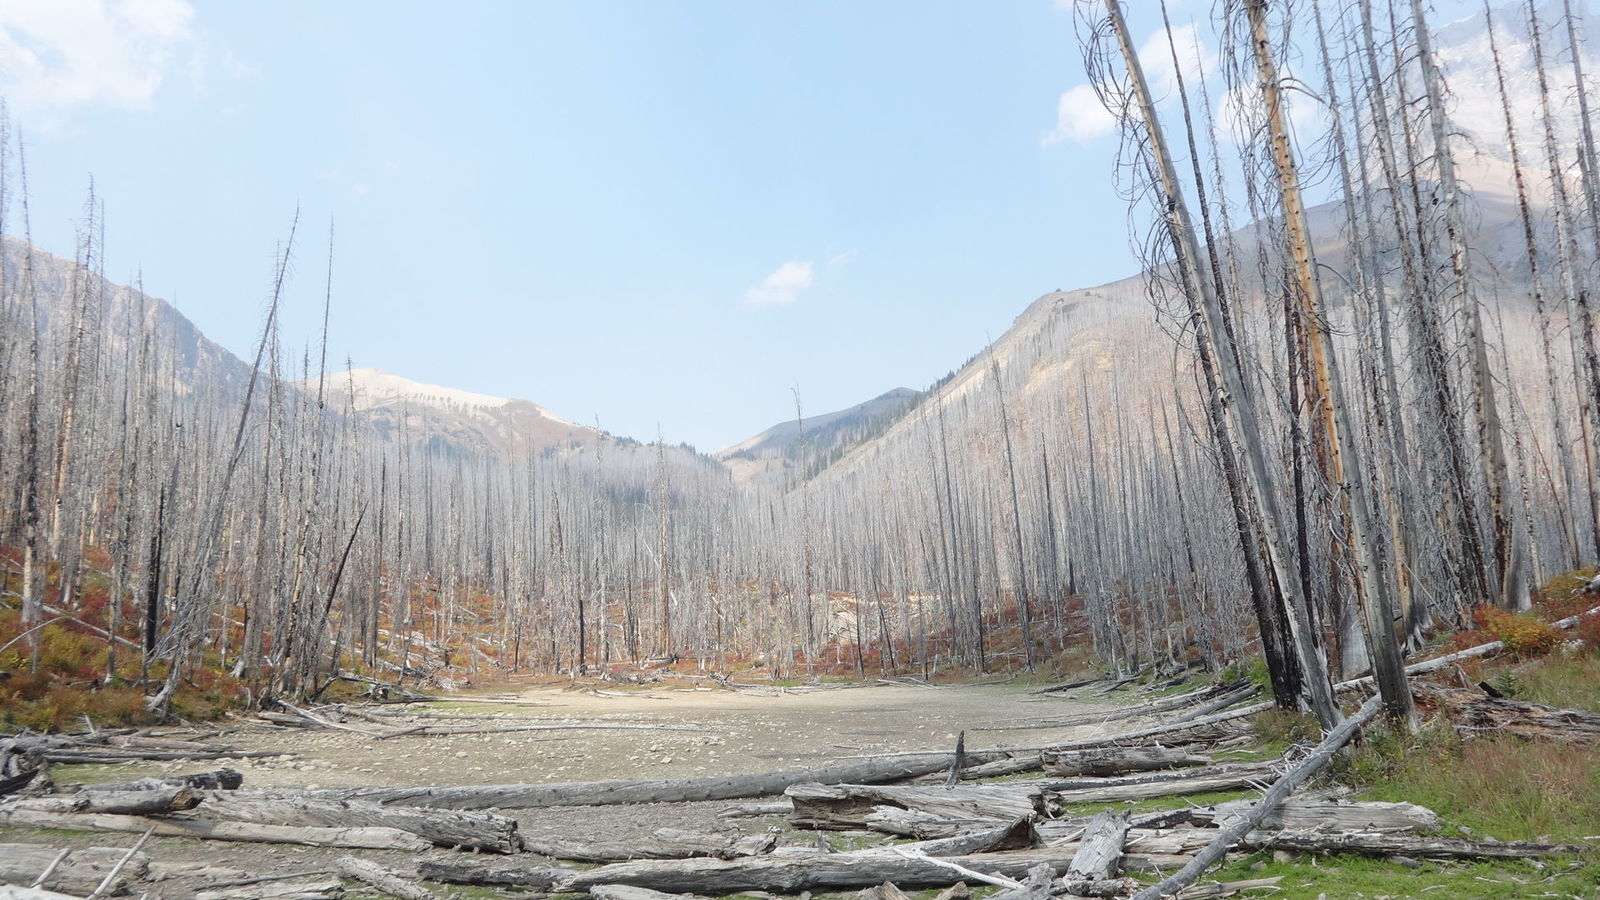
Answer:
(685, 732)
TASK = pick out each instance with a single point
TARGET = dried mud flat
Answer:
(667, 733)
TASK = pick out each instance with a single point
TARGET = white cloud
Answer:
(842, 259)
(1081, 117)
(784, 285)
(62, 53)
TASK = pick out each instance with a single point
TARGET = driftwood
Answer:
(1164, 784)
(384, 880)
(357, 838)
(444, 827)
(70, 871)
(16, 892)
(666, 844)
(629, 892)
(1237, 691)
(1010, 765)
(1016, 835)
(677, 790)
(1099, 855)
(1375, 843)
(1304, 814)
(837, 871)
(137, 803)
(918, 824)
(1106, 761)
(323, 888)
(1312, 764)
(848, 805)
(1477, 713)
(539, 878)
(1227, 888)
(222, 779)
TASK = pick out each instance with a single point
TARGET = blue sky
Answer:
(650, 213)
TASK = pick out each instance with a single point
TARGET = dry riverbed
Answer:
(670, 733)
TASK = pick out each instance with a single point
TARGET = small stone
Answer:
(1406, 861)
(1282, 856)
(1258, 866)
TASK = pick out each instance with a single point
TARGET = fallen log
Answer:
(1099, 856)
(384, 880)
(1227, 888)
(222, 779)
(325, 888)
(1235, 690)
(1214, 778)
(1477, 713)
(605, 793)
(1016, 835)
(1375, 843)
(70, 871)
(1306, 814)
(1010, 765)
(136, 803)
(840, 806)
(665, 844)
(917, 824)
(17, 892)
(443, 827)
(356, 838)
(1107, 761)
(836, 871)
(538, 878)
(628, 892)
(1319, 757)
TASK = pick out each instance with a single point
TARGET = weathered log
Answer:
(835, 871)
(605, 793)
(1016, 835)
(444, 827)
(742, 810)
(1149, 787)
(221, 779)
(325, 888)
(1305, 814)
(78, 872)
(357, 838)
(539, 878)
(917, 824)
(1376, 843)
(629, 892)
(384, 880)
(1477, 713)
(1227, 888)
(17, 892)
(1099, 855)
(1151, 708)
(1107, 761)
(847, 805)
(1319, 757)
(136, 803)
(665, 844)
(1010, 765)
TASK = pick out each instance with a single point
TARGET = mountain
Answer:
(401, 409)
(798, 449)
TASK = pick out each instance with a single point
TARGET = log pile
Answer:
(1033, 838)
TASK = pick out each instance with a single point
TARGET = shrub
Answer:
(1523, 634)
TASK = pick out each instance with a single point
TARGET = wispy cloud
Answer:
(1081, 117)
(784, 285)
(62, 53)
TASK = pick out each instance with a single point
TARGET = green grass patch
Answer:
(1500, 787)
(1566, 680)
(1307, 878)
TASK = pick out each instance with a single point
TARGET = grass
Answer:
(1499, 787)
(1307, 878)
(1563, 679)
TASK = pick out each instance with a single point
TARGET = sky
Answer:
(659, 217)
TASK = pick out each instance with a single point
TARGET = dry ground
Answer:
(715, 732)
